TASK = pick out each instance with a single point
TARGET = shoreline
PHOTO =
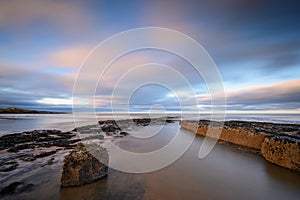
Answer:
(277, 143)
(27, 156)
(13, 110)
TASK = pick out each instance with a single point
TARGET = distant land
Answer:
(13, 110)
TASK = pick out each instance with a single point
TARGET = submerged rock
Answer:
(81, 167)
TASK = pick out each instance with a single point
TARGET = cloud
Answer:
(68, 15)
(71, 57)
(284, 96)
(252, 42)
(285, 92)
(261, 35)
(23, 85)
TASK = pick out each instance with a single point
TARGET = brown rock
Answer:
(277, 143)
(81, 167)
(282, 152)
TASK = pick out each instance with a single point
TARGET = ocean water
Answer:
(13, 123)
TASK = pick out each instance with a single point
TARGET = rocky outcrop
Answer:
(35, 139)
(33, 145)
(239, 136)
(277, 143)
(113, 126)
(81, 167)
(283, 151)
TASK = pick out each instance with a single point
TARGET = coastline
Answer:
(46, 150)
(13, 110)
(25, 156)
(277, 143)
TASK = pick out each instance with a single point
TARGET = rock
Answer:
(277, 143)
(118, 128)
(142, 122)
(124, 133)
(10, 189)
(8, 166)
(21, 147)
(110, 128)
(37, 138)
(49, 162)
(28, 158)
(81, 167)
(15, 188)
(283, 151)
(45, 154)
(94, 137)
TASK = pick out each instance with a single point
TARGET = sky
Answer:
(254, 44)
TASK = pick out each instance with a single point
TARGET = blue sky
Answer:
(255, 45)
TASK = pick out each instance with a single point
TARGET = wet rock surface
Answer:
(277, 143)
(266, 127)
(37, 138)
(119, 125)
(29, 146)
(24, 155)
(15, 188)
(81, 167)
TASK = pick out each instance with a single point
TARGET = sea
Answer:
(14, 123)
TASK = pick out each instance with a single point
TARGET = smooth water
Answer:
(12, 123)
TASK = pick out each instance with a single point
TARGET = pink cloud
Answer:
(284, 92)
(69, 15)
(71, 57)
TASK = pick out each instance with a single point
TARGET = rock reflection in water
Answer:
(117, 186)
